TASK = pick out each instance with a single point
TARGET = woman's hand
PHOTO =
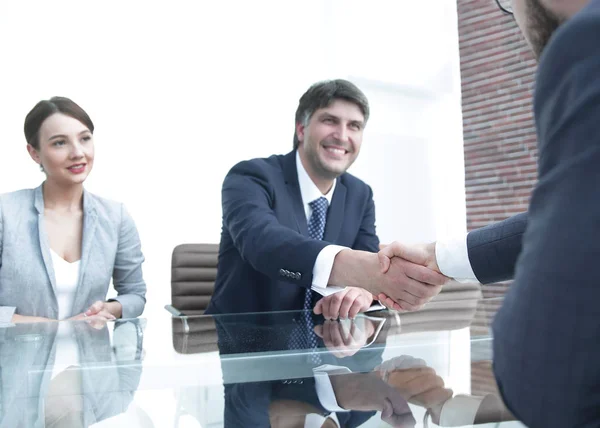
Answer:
(113, 308)
(18, 319)
(99, 313)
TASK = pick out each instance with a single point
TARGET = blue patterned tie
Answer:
(303, 336)
(316, 228)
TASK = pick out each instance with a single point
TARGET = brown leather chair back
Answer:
(193, 274)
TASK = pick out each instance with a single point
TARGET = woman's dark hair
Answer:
(45, 109)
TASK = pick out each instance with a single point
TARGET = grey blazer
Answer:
(110, 248)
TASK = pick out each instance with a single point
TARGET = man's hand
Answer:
(344, 304)
(343, 340)
(423, 255)
(403, 280)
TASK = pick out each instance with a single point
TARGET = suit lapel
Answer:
(290, 174)
(89, 228)
(335, 213)
(43, 236)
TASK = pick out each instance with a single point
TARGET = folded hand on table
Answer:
(99, 313)
(346, 303)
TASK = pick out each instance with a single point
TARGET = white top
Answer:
(67, 278)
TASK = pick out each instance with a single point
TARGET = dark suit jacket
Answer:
(546, 335)
(266, 258)
(494, 249)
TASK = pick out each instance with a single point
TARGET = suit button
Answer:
(281, 272)
(298, 275)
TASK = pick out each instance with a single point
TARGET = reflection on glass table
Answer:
(285, 369)
(43, 380)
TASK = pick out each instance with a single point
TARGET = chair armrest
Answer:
(174, 311)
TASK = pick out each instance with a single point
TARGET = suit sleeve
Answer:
(546, 348)
(367, 239)
(268, 246)
(494, 249)
(127, 274)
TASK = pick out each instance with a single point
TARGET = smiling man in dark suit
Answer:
(297, 227)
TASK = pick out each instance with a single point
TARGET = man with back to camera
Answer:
(298, 226)
(546, 348)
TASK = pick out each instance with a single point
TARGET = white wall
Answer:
(180, 91)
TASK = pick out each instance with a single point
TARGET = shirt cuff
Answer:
(322, 270)
(325, 389)
(452, 256)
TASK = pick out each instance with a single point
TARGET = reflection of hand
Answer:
(417, 383)
(345, 339)
(367, 392)
(22, 319)
(346, 303)
(423, 255)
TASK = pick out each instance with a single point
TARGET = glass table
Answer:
(285, 369)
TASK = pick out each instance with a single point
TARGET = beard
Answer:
(541, 23)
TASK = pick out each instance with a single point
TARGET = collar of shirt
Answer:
(308, 189)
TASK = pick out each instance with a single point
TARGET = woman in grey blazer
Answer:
(59, 244)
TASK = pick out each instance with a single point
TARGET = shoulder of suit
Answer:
(17, 195)
(106, 208)
(16, 200)
(574, 41)
(270, 164)
(354, 182)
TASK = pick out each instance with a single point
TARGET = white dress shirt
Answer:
(452, 256)
(324, 263)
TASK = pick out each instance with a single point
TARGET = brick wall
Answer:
(497, 71)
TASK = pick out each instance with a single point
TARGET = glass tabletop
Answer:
(286, 369)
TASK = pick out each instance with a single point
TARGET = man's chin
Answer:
(333, 172)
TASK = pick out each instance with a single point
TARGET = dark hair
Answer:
(322, 94)
(45, 109)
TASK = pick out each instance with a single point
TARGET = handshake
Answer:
(422, 279)
(401, 277)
